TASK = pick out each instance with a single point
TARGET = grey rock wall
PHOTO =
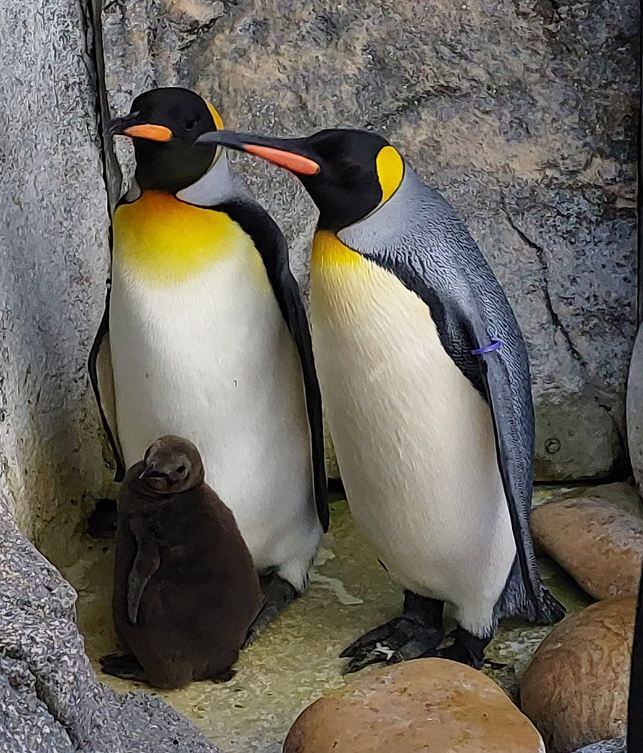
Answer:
(50, 699)
(54, 260)
(608, 746)
(523, 113)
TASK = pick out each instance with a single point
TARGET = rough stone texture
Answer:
(50, 699)
(522, 113)
(597, 543)
(623, 494)
(606, 746)
(53, 245)
(575, 690)
(428, 705)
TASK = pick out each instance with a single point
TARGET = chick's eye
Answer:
(180, 469)
(190, 124)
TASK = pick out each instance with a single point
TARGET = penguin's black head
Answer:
(164, 125)
(348, 173)
(171, 465)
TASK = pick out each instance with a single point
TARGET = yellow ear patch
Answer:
(390, 171)
(215, 116)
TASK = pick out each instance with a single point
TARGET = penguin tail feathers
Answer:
(551, 610)
(514, 602)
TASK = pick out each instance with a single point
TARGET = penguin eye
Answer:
(190, 124)
(180, 469)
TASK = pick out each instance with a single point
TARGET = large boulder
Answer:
(596, 542)
(522, 113)
(576, 688)
(427, 705)
(50, 699)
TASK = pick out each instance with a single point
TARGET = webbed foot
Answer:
(277, 593)
(417, 633)
(466, 648)
(124, 666)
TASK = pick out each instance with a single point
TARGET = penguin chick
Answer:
(186, 590)
(425, 378)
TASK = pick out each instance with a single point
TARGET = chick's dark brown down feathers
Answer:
(186, 590)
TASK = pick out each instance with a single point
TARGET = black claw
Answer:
(124, 666)
(387, 633)
(465, 649)
(364, 659)
(416, 633)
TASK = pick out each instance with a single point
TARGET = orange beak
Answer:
(131, 126)
(287, 153)
(148, 131)
(296, 163)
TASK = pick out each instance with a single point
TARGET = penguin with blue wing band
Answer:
(425, 380)
(205, 336)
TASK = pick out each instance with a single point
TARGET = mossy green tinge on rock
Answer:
(423, 706)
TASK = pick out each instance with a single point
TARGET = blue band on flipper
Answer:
(493, 345)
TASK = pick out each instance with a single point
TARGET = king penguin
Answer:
(185, 587)
(205, 335)
(425, 378)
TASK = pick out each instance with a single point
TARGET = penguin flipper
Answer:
(102, 381)
(272, 246)
(146, 563)
(516, 473)
(463, 327)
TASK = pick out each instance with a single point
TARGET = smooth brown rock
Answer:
(422, 706)
(575, 689)
(599, 544)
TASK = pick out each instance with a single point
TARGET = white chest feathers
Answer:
(414, 439)
(202, 351)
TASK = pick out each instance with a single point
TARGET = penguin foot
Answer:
(418, 632)
(124, 666)
(101, 524)
(277, 593)
(225, 676)
(466, 648)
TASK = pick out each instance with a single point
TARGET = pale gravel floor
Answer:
(296, 660)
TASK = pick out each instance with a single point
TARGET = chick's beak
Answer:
(146, 472)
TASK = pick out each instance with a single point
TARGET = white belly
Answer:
(414, 441)
(211, 359)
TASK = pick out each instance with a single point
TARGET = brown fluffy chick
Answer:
(186, 590)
